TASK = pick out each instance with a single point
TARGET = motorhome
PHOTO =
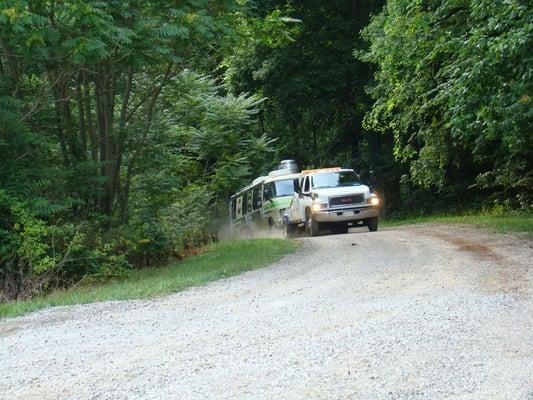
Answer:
(262, 203)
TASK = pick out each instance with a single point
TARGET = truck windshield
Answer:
(335, 179)
(285, 187)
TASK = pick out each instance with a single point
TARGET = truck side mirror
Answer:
(297, 188)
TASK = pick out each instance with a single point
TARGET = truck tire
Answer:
(290, 231)
(313, 227)
(372, 224)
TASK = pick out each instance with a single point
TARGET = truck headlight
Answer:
(374, 201)
(315, 207)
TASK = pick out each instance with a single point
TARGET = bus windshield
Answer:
(335, 179)
(285, 187)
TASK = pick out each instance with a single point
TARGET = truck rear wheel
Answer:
(372, 224)
(247, 232)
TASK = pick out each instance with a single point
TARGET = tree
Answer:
(314, 87)
(453, 87)
(103, 66)
(81, 91)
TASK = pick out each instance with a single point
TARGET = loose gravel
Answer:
(423, 312)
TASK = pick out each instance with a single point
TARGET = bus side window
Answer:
(250, 201)
(269, 191)
(239, 207)
(257, 198)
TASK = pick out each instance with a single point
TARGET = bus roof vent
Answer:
(289, 165)
(286, 167)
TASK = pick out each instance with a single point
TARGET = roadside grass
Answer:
(503, 222)
(220, 260)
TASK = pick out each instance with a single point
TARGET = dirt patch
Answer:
(470, 246)
(510, 274)
(10, 328)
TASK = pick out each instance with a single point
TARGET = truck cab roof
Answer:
(319, 170)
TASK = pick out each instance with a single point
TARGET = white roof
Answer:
(256, 181)
(282, 177)
(265, 179)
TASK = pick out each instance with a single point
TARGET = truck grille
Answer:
(347, 200)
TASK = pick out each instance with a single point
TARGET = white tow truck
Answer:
(332, 199)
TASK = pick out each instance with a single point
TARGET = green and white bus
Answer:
(262, 203)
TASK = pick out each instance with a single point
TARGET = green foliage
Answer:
(98, 144)
(34, 247)
(203, 148)
(453, 88)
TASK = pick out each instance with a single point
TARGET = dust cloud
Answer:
(226, 232)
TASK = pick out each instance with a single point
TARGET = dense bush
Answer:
(199, 149)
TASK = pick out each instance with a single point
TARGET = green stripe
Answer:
(279, 202)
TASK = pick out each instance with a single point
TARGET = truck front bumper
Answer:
(346, 214)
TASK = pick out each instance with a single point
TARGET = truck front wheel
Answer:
(372, 224)
(290, 231)
(313, 227)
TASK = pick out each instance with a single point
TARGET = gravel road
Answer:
(422, 312)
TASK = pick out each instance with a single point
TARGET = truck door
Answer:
(305, 199)
(297, 206)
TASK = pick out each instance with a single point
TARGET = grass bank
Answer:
(504, 222)
(220, 260)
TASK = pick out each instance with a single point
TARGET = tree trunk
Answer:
(89, 116)
(104, 92)
(121, 139)
(62, 99)
(12, 68)
(82, 122)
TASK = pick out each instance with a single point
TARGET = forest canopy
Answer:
(126, 125)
